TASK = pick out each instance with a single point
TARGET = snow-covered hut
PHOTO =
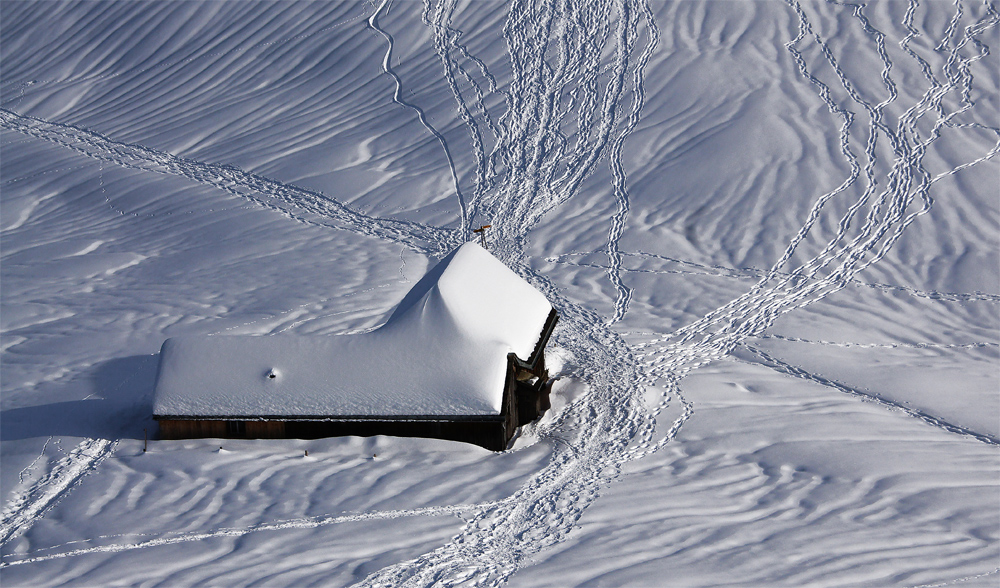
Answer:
(460, 358)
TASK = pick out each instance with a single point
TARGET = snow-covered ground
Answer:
(772, 231)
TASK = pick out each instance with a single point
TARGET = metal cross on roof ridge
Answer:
(482, 234)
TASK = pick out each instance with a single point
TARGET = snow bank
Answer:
(443, 352)
(193, 133)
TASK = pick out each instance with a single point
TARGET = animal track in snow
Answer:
(791, 370)
(299, 204)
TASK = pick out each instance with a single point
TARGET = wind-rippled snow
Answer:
(770, 230)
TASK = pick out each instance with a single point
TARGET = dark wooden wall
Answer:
(200, 428)
(491, 434)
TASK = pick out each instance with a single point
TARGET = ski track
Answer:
(304, 523)
(562, 118)
(959, 580)
(884, 345)
(397, 97)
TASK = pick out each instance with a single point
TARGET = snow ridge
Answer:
(573, 70)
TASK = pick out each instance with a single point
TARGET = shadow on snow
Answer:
(121, 406)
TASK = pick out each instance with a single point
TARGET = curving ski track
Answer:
(397, 97)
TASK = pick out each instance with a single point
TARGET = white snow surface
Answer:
(443, 352)
(771, 231)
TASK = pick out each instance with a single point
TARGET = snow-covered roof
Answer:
(442, 352)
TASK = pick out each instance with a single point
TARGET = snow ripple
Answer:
(296, 203)
(573, 68)
(618, 429)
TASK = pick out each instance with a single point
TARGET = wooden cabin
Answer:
(461, 358)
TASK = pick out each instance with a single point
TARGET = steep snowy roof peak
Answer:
(483, 297)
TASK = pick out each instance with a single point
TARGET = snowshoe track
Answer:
(31, 503)
(935, 421)
(296, 203)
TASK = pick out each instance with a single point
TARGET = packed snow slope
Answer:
(770, 229)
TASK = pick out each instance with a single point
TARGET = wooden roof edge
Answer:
(543, 339)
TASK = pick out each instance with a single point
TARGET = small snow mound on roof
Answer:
(442, 352)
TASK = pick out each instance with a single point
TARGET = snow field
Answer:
(770, 230)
